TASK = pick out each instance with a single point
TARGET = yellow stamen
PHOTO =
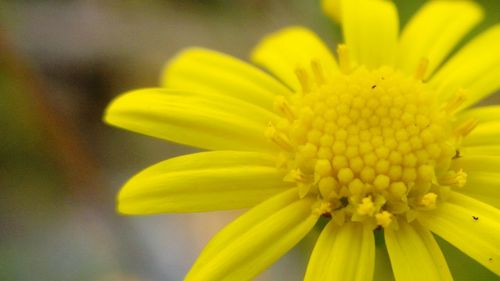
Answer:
(303, 77)
(323, 208)
(282, 106)
(429, 200)
(421, 69)
(318, 72)
(454, 104)
(278, 137)
(344, 61)
(455, 179)
(295, 175)
(366, 207)
(383, 219)
(466, 128)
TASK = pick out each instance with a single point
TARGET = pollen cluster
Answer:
(371, 145)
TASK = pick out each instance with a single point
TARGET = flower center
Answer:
(371, 145)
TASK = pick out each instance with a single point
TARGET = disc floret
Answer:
(371, 145)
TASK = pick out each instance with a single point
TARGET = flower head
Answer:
(380, 137)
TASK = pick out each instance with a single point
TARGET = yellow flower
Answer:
(380, 138)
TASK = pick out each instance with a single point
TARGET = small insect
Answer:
(475, 218)
(374, 86)
(457, 154)
(490, 259)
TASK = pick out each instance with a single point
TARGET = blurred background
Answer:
(61, 62)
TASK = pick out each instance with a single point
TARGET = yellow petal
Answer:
(475, 68)
(183, 117)
(211, 73)
(484, 134)
(204, 181)
(433, 32)
(242, 224)
(344, 252)
(370, 30)
(470, 225)
(414, 254)
(490, 150)
(255, 240)
(482, 114)
(477, 163)
(484, 187)
(284, 51)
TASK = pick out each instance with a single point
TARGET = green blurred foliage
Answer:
(29, 179)
(28, 173)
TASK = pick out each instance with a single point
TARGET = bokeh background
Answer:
(61, 62)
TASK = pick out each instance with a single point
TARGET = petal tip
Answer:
(179, 58)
